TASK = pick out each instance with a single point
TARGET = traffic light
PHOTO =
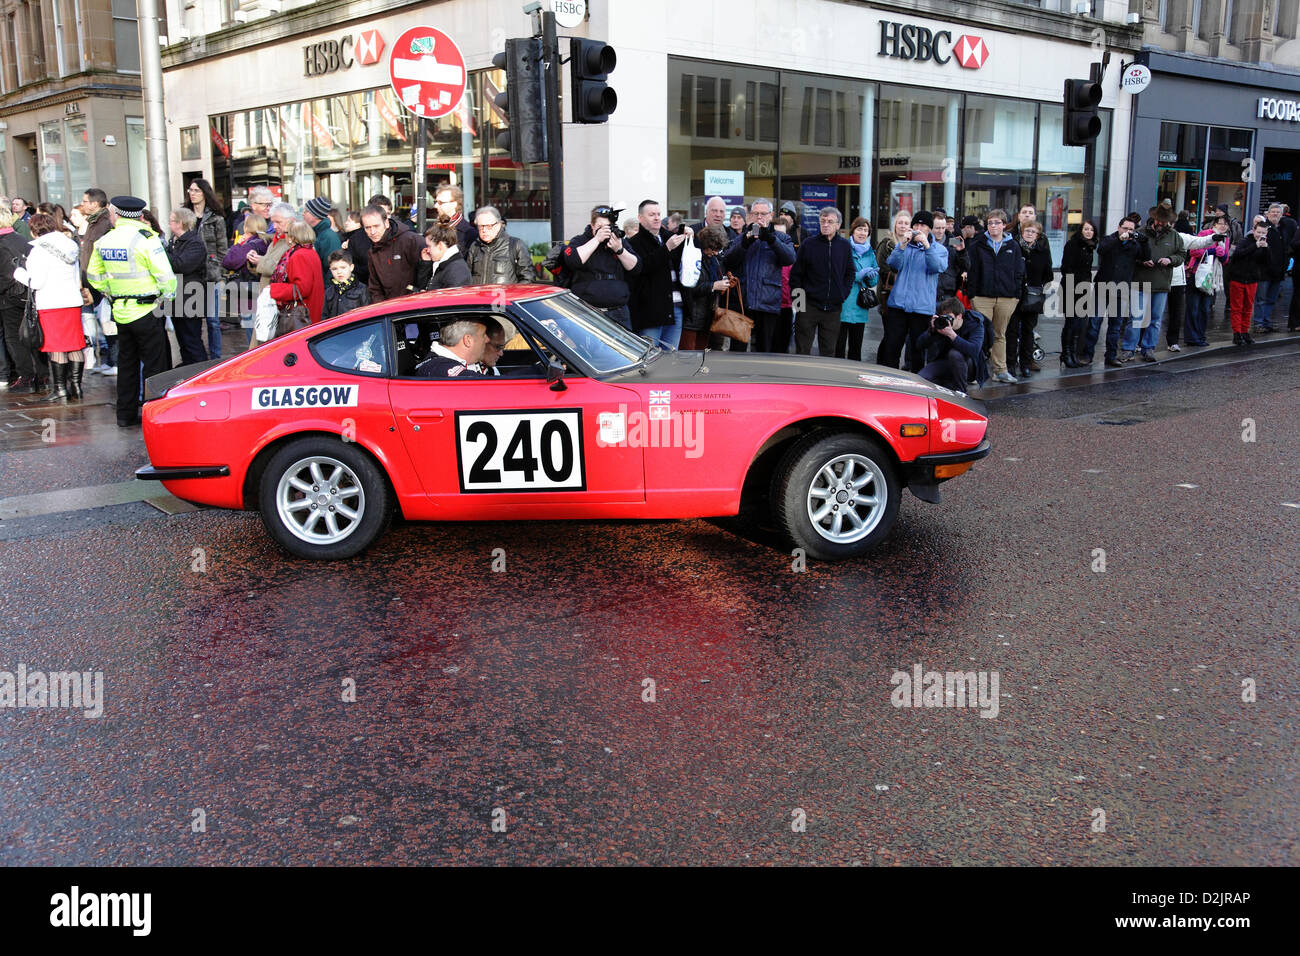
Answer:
(524, 101)
(590, 63)
(1082, 124)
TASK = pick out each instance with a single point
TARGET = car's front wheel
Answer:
(323, 498)
(836, 496)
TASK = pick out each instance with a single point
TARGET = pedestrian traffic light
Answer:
(524, 101)
(1082, 124)
(590, 63)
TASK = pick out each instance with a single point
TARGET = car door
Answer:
(513, 446)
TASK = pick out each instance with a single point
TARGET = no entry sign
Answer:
(427, 71)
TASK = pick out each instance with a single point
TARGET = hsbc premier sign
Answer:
(907, 41)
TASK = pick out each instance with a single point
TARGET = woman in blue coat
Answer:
(866, 271)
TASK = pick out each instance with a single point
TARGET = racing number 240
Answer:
(520, 451)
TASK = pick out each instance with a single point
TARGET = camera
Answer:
(941, 321)
(615, 231)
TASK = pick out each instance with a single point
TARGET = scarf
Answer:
(860, 250)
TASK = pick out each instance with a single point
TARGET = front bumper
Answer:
(150, 473)
(925, 473)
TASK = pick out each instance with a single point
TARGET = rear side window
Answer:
(358, 348)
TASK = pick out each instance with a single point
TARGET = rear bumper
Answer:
(150, 473)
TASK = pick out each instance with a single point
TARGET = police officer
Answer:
(462, 345)
(128, 264)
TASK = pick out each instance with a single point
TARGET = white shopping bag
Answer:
(691, 262)
(265, 317)
(106, 323)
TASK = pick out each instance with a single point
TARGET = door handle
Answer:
(424, 415)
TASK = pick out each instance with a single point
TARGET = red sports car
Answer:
(328, 430)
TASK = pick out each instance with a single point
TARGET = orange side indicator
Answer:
(952, 471)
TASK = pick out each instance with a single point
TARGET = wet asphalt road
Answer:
(522, 691)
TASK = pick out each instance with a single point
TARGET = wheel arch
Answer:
(758, 475)
(253, 477)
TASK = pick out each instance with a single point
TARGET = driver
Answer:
(461, 346)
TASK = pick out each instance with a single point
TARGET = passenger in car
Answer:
(496, 344)
(458, 353)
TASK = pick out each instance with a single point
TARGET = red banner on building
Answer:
(219, 141)
(319, 130)
(388, 114)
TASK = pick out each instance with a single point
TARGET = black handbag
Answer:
(1033, 299)
(30, 332)
(867, 297)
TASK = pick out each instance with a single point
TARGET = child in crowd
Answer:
(344, 293)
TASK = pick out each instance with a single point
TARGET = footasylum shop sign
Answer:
(1278, 109)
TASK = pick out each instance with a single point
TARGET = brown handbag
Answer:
(733, 325)
(293, 316)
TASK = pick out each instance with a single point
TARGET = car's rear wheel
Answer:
(835, 495)
(324, 499)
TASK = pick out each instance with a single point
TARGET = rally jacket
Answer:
(130, 266)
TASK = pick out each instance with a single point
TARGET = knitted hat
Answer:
(924, 218)
(971, 221)
(320, 207)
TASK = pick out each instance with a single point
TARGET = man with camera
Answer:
(757, 257)
(1117, 257)
(953, 346)
(600, 264)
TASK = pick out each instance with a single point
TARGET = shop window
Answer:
(823, 163)
(77, 140)
(126, 38)
(998, 166)
(916, 147)
(1181, 170)
(54, 183)
(722, 119)
(190, 146)
(1229, 149)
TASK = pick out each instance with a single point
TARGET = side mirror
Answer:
(555, 377)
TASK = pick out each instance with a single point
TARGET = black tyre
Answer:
(324, 499)
(835, 495)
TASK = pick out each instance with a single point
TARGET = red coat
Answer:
(304, 272)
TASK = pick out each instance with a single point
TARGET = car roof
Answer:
(470, 295)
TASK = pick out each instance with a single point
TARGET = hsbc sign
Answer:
(907, 41)
(330, 56)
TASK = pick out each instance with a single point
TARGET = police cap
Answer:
(128, 206)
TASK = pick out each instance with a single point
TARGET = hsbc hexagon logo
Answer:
(369, 46)
(970, 51)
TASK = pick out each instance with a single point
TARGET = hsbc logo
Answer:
(907, 41)
(368, 47)
(329, 56)
(971, 52)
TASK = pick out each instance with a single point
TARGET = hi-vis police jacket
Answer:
(129, 265)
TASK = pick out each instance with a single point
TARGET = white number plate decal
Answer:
(521, 451)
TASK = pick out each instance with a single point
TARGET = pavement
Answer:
(676, 691)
